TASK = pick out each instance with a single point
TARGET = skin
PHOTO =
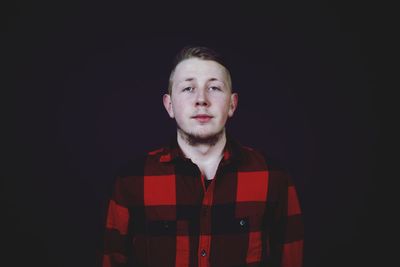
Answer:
(201, 101)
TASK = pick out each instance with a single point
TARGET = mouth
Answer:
(202, 118)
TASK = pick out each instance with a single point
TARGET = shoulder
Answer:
(136, 166)
(251, 155)
(258, 159)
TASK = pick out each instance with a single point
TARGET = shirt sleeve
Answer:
(287, 233)
(116, 238)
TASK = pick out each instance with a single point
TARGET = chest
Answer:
(182, 196)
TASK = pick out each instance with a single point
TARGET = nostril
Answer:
(202, 103)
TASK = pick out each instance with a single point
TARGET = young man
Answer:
(203, 200)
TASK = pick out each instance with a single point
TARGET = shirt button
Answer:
(242, 222)
(203, 253)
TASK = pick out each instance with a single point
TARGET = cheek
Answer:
(224, 106)
(179, 110)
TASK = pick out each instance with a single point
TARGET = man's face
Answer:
(201, 99)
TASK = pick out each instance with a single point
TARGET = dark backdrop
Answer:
(87, 81)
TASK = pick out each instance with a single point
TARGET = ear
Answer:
(233, 104)
(168, 105)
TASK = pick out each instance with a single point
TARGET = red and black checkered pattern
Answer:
(161, 214)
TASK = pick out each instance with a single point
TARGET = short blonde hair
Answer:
(201, 52)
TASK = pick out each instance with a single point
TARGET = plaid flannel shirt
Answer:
(161, 214)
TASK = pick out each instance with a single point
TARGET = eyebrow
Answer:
(209, 80)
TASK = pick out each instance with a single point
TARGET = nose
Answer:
(202, 98)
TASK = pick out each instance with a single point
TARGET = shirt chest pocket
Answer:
(161, 228)
(237, 225)
(167, 228)
(238, 218)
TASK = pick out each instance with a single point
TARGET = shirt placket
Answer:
(205, 227)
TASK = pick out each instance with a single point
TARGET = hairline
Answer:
(228, 74)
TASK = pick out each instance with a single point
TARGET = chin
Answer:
(209, 138)
(199, 132)
(204, 134)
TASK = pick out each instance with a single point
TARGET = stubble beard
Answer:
(195, 139)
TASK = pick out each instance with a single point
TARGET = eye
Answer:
(214, 88)
(188, 89)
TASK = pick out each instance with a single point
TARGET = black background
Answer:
(86, 83)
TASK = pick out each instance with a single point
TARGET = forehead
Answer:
(195, 68)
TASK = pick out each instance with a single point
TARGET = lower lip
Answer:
(203, 119)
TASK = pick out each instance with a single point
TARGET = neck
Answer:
(202, 152)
